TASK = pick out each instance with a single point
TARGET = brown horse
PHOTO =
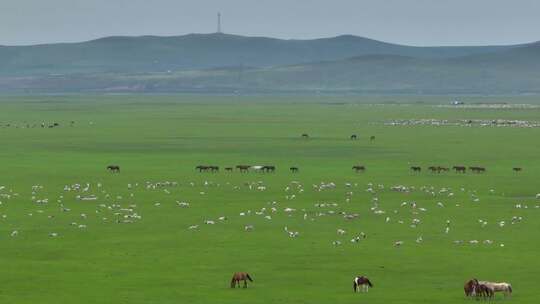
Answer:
(294, 169)
(484, 291)
(517, 169)
(243, 168)
(240, 276)
(229, 169)
(470, 287)
(460, 169)
(113, 168)
(361, 281)
(354, 137)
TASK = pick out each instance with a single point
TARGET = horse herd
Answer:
(473, 288)
(457, 169)
(485, 290)
(356, 168)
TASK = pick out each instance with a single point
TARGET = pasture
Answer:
(73, 232)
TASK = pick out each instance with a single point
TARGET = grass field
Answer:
(157, 259)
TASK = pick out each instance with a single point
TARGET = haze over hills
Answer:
(230, 63)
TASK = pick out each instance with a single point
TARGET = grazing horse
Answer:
(484, 291)
(229, 169)
(213, 169)
(294, 169)
(460, 169)
(442, 169)
(416, 169)
(359, 168)
(517, 169)
(243, 168)
(433, 169)
(470, 287)
(361, 281)
(477, 169)
(202, 168)
(113, 168)
(305, 136)
(354, 137)
(506, 288)
(269, 169)
(240, 276)
(372, 138)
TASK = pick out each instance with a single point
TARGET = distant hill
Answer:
(201, 51)
(228, 63)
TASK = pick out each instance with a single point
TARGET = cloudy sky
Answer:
(412, 22)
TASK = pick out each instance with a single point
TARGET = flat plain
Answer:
(73, 232)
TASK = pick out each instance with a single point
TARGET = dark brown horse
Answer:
(229, 169)
(484, 291)
(362, 281)
(114, 168)
(517, 169)
(243, 168)
(294, 169)
(460, 169)
(269, 169)
(240, 276)
(416, 169)
(354, 137)
(202, 168)
(359, 168)
(476, 169)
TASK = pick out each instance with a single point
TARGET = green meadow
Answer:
(72, 232)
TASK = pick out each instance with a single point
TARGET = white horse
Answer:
(504, 287)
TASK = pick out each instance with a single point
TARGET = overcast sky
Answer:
(412, 22)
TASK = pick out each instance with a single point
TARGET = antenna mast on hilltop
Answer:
(219, 23)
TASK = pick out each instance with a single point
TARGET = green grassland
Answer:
(157, 259)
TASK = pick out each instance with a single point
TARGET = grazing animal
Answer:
(416, 169)
(243, 168)
(460, 169)
(517, 169)
(470, 287)
(477, 169)
(362, 281)
(359, 168)
(305, 136)
(372, 138)
(268, 169)
(484, 291)
(240, 276)
(113, 168)
(354, 137)
(229, 169)
(504, 287)
(202, 168)
(294, 169)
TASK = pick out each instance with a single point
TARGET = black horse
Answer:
(294, 169)
(113, 168)
(359, 168)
